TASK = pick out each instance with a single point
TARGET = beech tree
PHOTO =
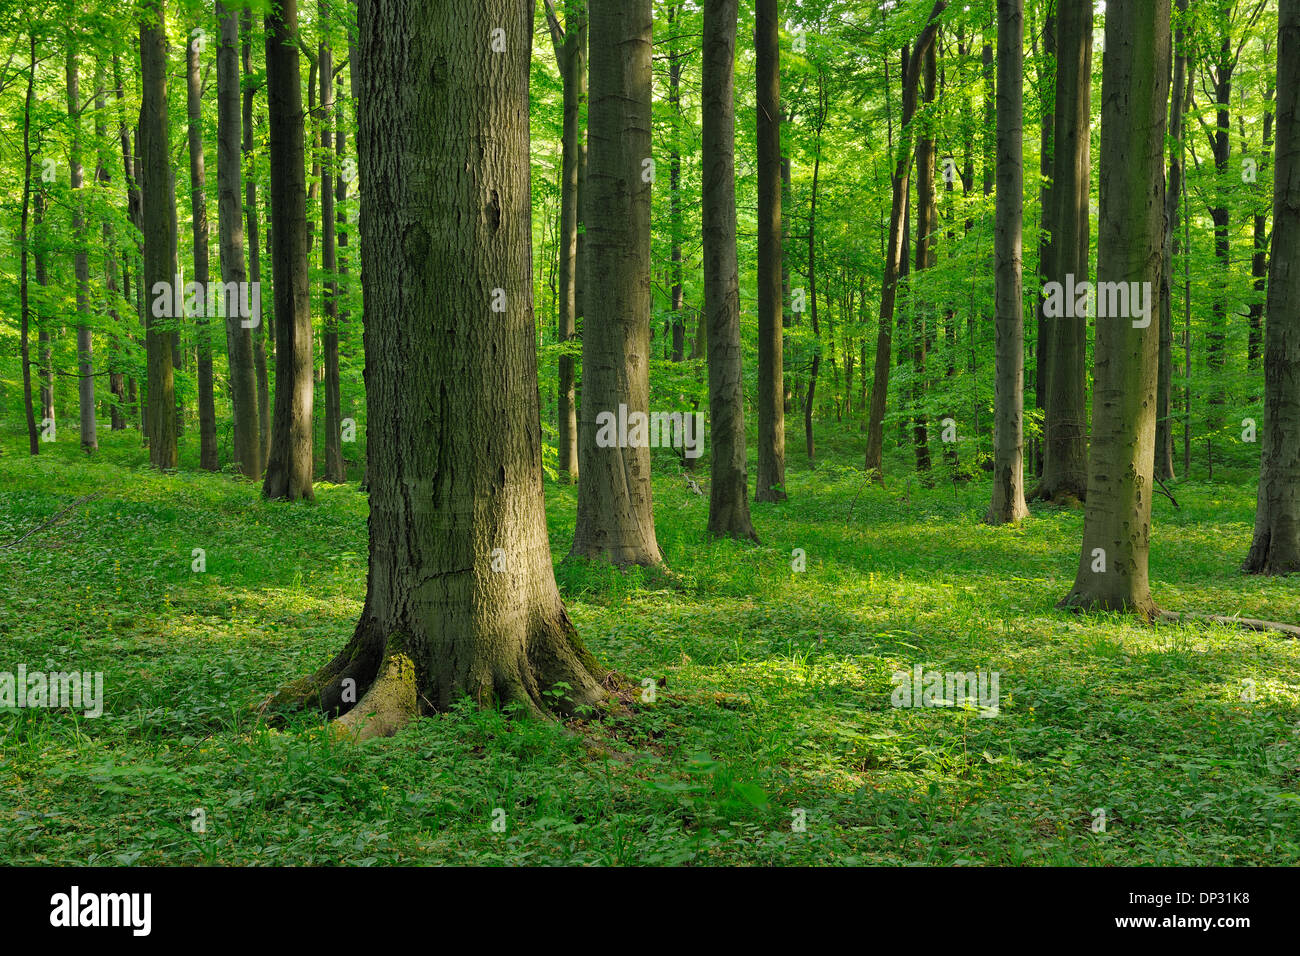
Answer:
(615, 513)
(199, 225)
(1112, 571)
(460, 599)
(1276, 545)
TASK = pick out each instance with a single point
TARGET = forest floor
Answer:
(777, 706)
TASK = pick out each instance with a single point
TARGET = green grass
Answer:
(777, 696)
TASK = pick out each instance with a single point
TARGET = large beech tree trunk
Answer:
(289, 465)
(771, 354)
(1065, 426)
(1008, 504)
(159, 238)
(461, 599)
(1112, 571)
(199, 223)
(1276, 545)
(263, 330)
(615, 513)
(239, 340)
(729, 476)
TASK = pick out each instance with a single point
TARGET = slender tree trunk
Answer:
(239, 337)
(159, 239)
(771, 352)
(461, 600)
(199, 220)
(1008, 504)
(1276, 545)
(1047, 228)
(809, 405)
(81, 267)
(265, 327)
(45, 367)
(1164, 466)
(615, 513)
(335, 470)
(1065, 428)
(33, 440)
(289, 466)
(675, 184)
(1112, 571)
(927, 222)
(729, 484)
(896, 254)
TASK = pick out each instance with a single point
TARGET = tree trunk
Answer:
(1112, 571)
(199, 221)
(1008, 504)
(461, 600)
(81, 267)
(927, 221)
(155, 165)
(335, 470)
(265, 328)
(615, 513)
(896, 254)
(1047, 227)
(1276, 545)
(33, 441)
(239, 338)
(771, 352)
(1164, 466)
(1065, 430)
(289, 466)
(729, 475)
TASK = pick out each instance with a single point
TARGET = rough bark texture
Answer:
(1117, 522)
(615, 515)
(1276, 545)
(159, 238)
(1008, 504)
(230, 219)
(729, 476)
(289, 465)
(771, 352)
(455, 433)
(199, 224)
(1065, 426)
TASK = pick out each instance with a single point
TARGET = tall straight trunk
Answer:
(265, 328)
(771, 352)
(130, 263)
(1112, 571)
(81, 267)
(927, 222)
(289, 466)
(1164, 465)
(103, 179)
(1065, 428)
(1259, 256)
(1008, 504)
(615, 513)
(896, 253)
(570, 43)
(1276, 545)
(1047, 228)
(33, 441)
(230, 219)
(45, 343)
(199, 224)
(677, 225)
(809, 401)
(438, 624)
(159, 238)
(729, 475)
(335, 470)
(1221, 144)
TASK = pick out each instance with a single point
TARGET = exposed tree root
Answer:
(387, 707)
(1249, 623)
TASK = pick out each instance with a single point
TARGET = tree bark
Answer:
(1064, 478)
(1276, 545)
(461, 600)
(335, 470)
(289, 466)
(159, 238)
(1112, 571)
(199, 223)
(230, 219)
(1008, 504)
(729, 475)
(1164, 466)
(81, 268)
(771, 352)
(33, 441)
(615, 513)
(266, 328)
